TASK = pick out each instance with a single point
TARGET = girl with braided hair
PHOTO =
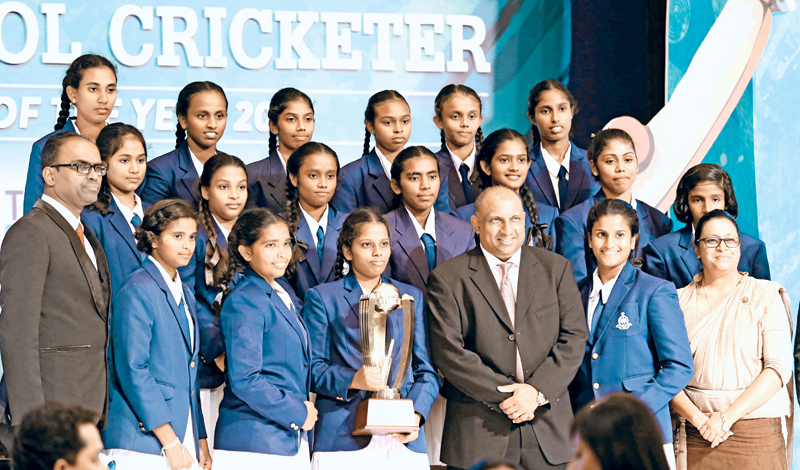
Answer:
(504, 160)
(291, 124)
(90, 86)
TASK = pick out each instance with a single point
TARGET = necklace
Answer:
(705, 294)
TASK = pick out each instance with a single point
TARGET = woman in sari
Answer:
(740, 333)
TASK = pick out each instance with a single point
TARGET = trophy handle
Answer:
(408, 341)
(365, 307)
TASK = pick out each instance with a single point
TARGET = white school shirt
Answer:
(127, 212)
(457, 161)
(198, 165)
(553, 167)
(283, 160)
(385, 163)
(74, 222)
(284, 296)
(176, 289)
(430, 225)
(225, 232)
(598, 289)
(513, 273)
(313, 225)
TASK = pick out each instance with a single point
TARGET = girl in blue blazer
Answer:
(702, 188)
(415, 180)
(313, 169)
(266, 413)
(291, 124)
(90, 85)
(338, 375)
(503, 160)
(613, 160)
(202, 110)
(557, 164)
(637, 341)
(118, 211)
(458, 114)
(366, 181)
(154, 416)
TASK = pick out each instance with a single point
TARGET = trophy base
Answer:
(378, 417)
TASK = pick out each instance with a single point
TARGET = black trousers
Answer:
(523, 450)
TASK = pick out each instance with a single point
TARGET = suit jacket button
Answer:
(140, 423)
(191, 364)
(595, 355)
(511, 377)
(191, 393)
(142, 428)
(596, 386)
(511, 337)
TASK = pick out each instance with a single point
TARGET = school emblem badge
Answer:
(623, 322)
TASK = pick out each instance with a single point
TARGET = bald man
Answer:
(507, 330)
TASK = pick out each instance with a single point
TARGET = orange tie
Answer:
(79, 231)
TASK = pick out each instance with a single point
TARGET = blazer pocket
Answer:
(633, 383)
(65, 349)
(168, 390)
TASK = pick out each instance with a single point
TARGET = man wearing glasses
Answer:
(55, 289)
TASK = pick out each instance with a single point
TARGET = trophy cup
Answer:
(385, 411)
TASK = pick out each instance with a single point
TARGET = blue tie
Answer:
(563, 186)
(430, 250)
(465, 184)
(135, 221)
(182, 308)
(598, 311)
(320, 243)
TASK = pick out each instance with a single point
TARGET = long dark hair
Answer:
(444, 95)
(73, 77)
(351, 229)
(184, 100)
(216, 260)
(246, 231)
(540, 237)
(620, 208)
(278, 104)
(109, 141)
(622, 433)
(600, 142)
(703, 173)
(369, 113)
(535, 96)
(158, 218)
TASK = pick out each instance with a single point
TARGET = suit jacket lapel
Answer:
(180, 316)
(457, 196)
(444, 248)
(486, 284)
(122, 227)
(380, 183)
(352, 293)
(95, 277)
(331, 237)
(576, 176)
(188, 174)
(528, 276)
(304, 234)
(618, 294)
(277, 180)
(689, 257)
(541, 176)
(410, 243)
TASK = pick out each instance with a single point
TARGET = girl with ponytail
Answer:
(202, 110)
(338, 375)
(90, 86)
(366, 181)
(557, 165)
(458, 116)
(118, 211)
(266, 414)
(503, 160)
(313, 169)
(291, 124)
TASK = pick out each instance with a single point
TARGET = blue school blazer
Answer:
(450, 175)
(34, 184)
(153, 369)
(582, 184)
(363, 183)
(171, 175)
(117, 239)
(266, 183)
(309, 272)
(408, 262)
(570, 229)
(266, 371)
(650, 359)
(547, 215)
(331, 313)
(672, 257)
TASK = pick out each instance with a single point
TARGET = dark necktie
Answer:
(465, 184)
(182, 308)
(563, 186)
(430, 250)
(135, 221)
(598, 312)
(320, 243)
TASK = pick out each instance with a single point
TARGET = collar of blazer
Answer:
(99, 279)
(618, 294)
(294, 320)
(379, 180)
(186, 165)
(689, 257)
(527, 287)
(120, 224)
(154, 272)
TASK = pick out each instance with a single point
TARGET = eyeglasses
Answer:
(85, 168)
(713, 242)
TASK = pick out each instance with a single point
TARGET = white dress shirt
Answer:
(225, 232)
(176, 289)
(198, 165)
(553, 167)
(127, 212)
(457, 161)
(385, 163)
(598, 289)
(513, 273)
(74, 222)
(430, 225)
(313, 225)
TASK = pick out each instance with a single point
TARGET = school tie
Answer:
(320, 243)
(79, 231)
(465, 184)
(135, 221)
(507, 292)
(182, 308)
(563, 186)
(598, 312)
(430, 250)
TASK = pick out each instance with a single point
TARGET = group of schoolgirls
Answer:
(226, 320)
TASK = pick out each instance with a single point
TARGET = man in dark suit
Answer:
(507, 331)
(55, 289)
